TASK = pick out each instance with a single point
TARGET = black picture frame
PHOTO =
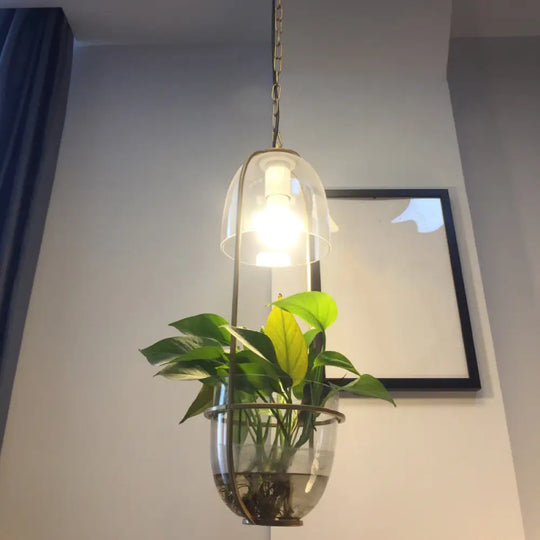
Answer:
(472, 381)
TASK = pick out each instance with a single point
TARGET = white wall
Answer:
(91, 448)
(366, 100)
(495, 86)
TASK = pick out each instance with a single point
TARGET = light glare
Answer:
(273, 259)
(277, 227)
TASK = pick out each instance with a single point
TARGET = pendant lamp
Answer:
(273, 415)
(275, 215)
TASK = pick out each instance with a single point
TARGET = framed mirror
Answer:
(395, 274)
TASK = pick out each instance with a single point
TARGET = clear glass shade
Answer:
(284, 217)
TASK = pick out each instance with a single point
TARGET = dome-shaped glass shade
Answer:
(284, 218)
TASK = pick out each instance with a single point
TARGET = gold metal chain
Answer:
(277, 65)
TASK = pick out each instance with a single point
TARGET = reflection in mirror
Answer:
(426, 213)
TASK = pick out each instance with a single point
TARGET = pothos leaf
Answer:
(367, 386)
(190, 370)
(310, 335)
(318, 309)
(262, 374)
(333, 358)
(203, 400)
(168, 349)
(291, 350)
(257, 342)
(207, 352)
(206, 325)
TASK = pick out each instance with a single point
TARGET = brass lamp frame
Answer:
(230, 405)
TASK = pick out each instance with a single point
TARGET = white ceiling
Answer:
(247, 21)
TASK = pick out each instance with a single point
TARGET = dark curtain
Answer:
(35, 64)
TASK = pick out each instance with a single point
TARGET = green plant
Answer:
(279, 364)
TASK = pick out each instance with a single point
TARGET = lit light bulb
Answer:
(277, 226)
